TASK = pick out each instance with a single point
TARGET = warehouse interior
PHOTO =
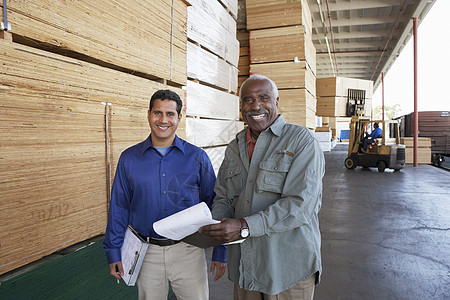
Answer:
(76, 77)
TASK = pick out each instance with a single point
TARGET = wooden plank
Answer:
(209, 132)
(423, 142)
(297, 107)
(282, 44)
(208, 24)
(241, 16)
(207, 67)
(423, 155)
(204, 101)
(232, 7)
(277, 13)
(113, 32)
(338, 86)
(287, 75)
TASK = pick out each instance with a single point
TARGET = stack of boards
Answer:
(332, 98)
(77, 77)
(281, 48)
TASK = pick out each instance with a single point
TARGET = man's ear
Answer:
(179, 117)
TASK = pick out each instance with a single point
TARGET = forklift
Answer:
(384, 152)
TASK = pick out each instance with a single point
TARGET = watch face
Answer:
(245, 232)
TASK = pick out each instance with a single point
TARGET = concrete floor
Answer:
(384, 235)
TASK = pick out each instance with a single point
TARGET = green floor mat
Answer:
(83, 274)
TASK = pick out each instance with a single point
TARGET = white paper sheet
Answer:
(185, 222)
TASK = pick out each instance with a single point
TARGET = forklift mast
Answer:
(355, 102)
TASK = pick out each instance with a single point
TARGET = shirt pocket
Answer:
(234, 181)
(271, 176)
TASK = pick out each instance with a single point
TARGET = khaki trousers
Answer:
(304, 290)
(183, 265)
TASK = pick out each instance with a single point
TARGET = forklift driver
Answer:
(370, 138)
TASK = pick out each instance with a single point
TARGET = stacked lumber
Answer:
(332, 93)
(297, 107)
(277, 13)
(281, 48)
(432, 124)
(208, 102)
(231, 6)
(423, 150)
(244, 58)
(241, 16)
(209, 68)
(282, 44)
(324, 136)
(212, 107)
(212, 27)
(142, 36)
(53, 154)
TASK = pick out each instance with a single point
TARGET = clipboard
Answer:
(133, 252)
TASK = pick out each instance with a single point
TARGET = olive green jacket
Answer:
(279, 194)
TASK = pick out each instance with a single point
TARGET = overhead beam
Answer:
(353, 5)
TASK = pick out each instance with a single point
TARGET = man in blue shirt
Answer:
(154, 179)
(376, 132)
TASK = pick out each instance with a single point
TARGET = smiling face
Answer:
(163, 120)
(258, 106)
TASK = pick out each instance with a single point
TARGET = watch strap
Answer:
(243, 223)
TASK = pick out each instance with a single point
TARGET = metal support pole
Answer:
(416, 113)
(382, 95)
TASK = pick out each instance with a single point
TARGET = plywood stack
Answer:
(423, 150)
(244, 58)
(332, 93)
(242, 36)
(324, 136)
(65, 61)
(281, 48)
(212, 107)
(432, 124)
(54, 176)
(132, 35)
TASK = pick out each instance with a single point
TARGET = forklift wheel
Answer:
(350, 163)
(381, 166)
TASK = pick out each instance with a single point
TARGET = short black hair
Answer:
(375, 125)
(167, 95)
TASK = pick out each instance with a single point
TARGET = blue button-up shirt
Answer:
(149, 186)
(376, 133)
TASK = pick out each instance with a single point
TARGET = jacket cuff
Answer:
(255, 225)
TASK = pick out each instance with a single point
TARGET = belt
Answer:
(159, 242)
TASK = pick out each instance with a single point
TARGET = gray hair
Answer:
(261, 77)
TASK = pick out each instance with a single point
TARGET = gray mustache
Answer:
(254, 113)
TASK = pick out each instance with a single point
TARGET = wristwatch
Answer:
(245, 232)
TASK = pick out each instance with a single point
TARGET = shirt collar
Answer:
(177, 142)
(277, 125)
